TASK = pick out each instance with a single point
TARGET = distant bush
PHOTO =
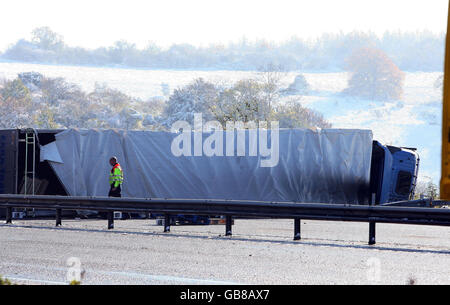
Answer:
(15, 90)
(197, 97)
(374, 76)
(299, 87)
(293, 115)
(15, 105)
(31, 78)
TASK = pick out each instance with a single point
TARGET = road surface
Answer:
(259, 252)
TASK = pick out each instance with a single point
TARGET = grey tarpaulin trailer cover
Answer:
(316, 166)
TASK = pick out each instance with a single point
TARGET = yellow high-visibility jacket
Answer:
(116, 175)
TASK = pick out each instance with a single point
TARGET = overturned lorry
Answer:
(292, 165)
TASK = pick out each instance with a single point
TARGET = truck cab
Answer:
(394, 172)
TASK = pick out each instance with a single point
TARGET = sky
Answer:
(95, 23)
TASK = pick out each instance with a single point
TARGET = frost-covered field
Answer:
(414, 121)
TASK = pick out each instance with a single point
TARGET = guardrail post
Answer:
(371, 233)
(229, 221)
(9, 215)
(166, 223)
(110, 215)
(58, 217)
(372, 224)
(297, 235)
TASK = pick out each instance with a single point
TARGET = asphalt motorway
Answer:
(259, 252)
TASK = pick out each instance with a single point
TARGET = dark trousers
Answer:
(115, 193)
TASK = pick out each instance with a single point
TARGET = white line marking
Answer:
(154, 277)
(23, 279)
(168, 278)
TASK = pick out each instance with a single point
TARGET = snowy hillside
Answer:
(414, 121)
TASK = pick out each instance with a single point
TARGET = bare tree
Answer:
(270, 76)
(46, 39)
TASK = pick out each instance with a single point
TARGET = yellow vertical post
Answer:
(445, 166)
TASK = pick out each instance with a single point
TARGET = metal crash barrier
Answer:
(394, 213)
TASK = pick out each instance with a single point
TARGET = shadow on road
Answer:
(194, 235)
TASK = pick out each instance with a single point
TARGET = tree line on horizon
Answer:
(409, 51)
